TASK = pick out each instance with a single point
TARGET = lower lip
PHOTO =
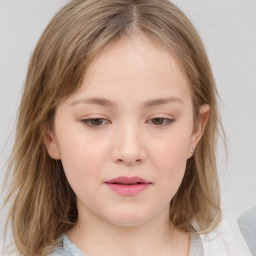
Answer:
(128, 190)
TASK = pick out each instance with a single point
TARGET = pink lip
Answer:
(128, 186)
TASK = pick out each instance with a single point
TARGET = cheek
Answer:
(170, 161)
(82, 160)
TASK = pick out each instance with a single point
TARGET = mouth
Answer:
(128, 186)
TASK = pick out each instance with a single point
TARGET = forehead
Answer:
(135, 68)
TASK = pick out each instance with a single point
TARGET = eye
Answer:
(160, 121)
(94, 122)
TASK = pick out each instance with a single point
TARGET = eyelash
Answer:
(87, 121)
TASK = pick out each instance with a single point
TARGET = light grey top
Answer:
(67, 248)
(196, 246)
(247, 224)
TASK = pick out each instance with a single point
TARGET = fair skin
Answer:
(130, 138)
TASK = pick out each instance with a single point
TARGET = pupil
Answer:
(97, 121)
(158, 120)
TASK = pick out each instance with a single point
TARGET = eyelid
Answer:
(86, 121)
(169, 121)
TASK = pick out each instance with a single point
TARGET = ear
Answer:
(51, 144)
(198, 131)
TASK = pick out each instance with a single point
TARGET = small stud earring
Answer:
(192, 151)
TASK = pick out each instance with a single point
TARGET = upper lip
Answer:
(128, 180)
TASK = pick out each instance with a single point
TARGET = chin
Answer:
(128, 219)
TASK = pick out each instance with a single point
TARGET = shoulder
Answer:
(58, 251)
(247, 225)
(61, 251)
(66, 248)
(248, 221)
(225, 240)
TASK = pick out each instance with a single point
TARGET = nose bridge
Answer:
(129, 146)
(129, 136)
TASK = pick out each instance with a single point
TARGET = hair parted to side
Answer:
(43, 203)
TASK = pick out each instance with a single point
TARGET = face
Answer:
(124, 138)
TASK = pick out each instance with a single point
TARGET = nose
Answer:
(128, 147)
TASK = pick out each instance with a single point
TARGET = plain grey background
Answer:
(228, 30)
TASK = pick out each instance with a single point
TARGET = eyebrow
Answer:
(107, 103)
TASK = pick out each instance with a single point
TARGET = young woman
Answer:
(116, 137)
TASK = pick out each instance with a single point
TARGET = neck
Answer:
(95, 236)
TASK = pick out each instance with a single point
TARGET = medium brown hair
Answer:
(43, 203)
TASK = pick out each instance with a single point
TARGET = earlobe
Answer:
(51, 144)
(199, 128)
